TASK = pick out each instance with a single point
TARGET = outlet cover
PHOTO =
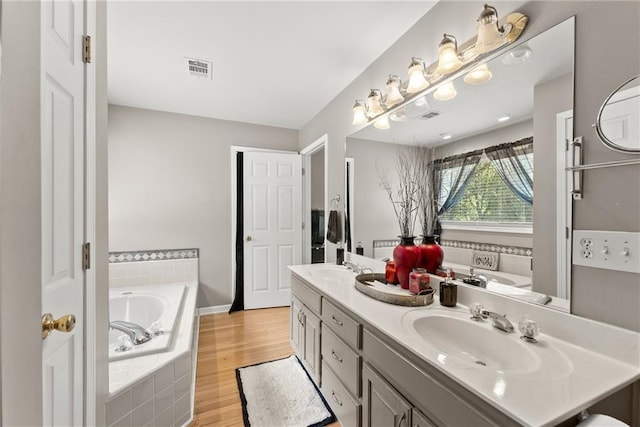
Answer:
(611, 250)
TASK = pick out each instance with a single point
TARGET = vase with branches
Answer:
(404, 199)
(427, 177)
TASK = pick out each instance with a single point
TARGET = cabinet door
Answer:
(311, 350)
(418, 419)
(297, 329)
(381, 404)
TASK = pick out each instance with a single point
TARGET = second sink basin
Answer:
(333, 274)
(457, 337)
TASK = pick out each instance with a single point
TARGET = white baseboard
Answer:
(214, 309)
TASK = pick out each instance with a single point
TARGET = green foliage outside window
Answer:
(488, 199)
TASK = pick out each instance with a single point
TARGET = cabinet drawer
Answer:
(344, 361)
(344, 326)
(346, 408)
(307, 296)
(442, 404)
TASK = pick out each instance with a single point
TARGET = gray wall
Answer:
(372, 211)
(170, 186)
(612, 196)
(549, 99)
(20, 278)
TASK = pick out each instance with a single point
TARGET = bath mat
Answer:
(281, 393)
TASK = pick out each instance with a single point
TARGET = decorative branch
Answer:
(425, 172)
(405, 199)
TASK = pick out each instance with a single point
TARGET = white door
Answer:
(272, 226)
(62, 169)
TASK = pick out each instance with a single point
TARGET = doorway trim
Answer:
(564, 204)
(321, 143)
(349, 188)
(235, 149)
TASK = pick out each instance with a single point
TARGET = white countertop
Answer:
(536, 398)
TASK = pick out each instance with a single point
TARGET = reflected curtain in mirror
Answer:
(453, 175)
(514, 164)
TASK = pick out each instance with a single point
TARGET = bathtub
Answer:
(144, 306)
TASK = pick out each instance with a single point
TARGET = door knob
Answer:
(63, 324)
(249, 238)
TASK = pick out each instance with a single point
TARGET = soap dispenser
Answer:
(339, 254)
(448, 291)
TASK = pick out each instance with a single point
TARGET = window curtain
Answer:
(451, 178)
(514, 163)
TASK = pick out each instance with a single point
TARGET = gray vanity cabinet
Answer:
(305, 326)
(296, 334)
(381, 404)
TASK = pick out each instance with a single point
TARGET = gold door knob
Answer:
(63, 324)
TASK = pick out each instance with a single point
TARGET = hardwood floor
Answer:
(230, 341)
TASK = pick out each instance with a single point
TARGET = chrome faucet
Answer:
(351, 265)
(137, 333)
(498, 321)
(358, 269)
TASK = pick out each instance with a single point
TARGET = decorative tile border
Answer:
(152, 255)
(488, 247)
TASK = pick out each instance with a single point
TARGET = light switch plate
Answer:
(611, 250)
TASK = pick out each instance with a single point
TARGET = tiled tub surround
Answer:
(157, 389)
(513, 259)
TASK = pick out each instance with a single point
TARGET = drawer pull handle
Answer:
(336, 321)
(403, 418)
(335, 398)
(335, 356)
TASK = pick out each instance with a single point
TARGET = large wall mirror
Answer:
(529, 95)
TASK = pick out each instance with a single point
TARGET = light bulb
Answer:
(490, 36)
(478, 75)
(445, 92)
(359, 114)
(448, 59)
(417, 80)
(393, 91)
(373, 103)
(382, 123)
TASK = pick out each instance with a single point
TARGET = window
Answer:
(488, 200)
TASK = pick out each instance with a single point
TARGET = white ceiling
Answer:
(274, 63)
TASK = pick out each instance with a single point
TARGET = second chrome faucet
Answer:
(498, 321)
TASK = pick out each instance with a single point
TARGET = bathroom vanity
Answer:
(382, 364)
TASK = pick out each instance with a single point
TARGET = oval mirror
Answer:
(618, 123)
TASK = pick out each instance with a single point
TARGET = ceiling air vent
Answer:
(200, 68)
(429, 115)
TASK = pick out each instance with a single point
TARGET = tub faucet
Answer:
(498, 321)
(137, 333)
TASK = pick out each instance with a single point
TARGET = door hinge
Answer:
(567, 234)
(303, 171)
(86, 49)
(303, 225)
(86, 256)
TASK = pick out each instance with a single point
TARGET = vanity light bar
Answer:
(426, 79)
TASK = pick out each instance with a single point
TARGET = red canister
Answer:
(390, 275)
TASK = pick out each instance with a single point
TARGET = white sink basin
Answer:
(473, 343)
(332, 274)
(452, 338)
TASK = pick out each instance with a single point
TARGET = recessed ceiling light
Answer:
(504, 118)
(518, 55)
(445, 136)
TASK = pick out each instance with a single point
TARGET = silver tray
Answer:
(364, 285)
